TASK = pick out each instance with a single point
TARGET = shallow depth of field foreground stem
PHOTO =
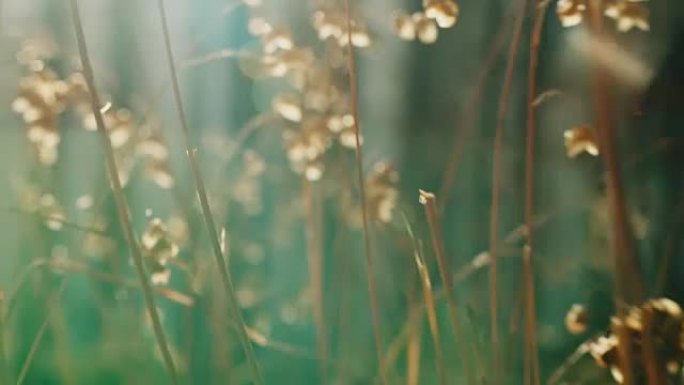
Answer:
(119, 198)
(206, 210)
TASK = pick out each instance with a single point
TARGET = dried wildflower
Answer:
(665, 327)
(425, 27)
(628, 15)
(119, 124)
(306, 146)
(444, 12)
(51, 211)
(576, 319)
(259, 26)
(42, 98)
(571, 12)
(580, 139)
(333, 24)
(277, 39)
(158, 247)
(288, 106)
(404, 26)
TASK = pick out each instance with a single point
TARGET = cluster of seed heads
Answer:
(44, 96)
(627, 14)
(659, 322)
(424, 25)
(158, 249)
(314, 111)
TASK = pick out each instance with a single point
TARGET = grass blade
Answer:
(119, 198)
(206, 210)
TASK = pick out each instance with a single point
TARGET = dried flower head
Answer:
(259, 26)
(277, 39)
(580, 139)
(426, 28)
(444, 12)
(305, 147)
(158, 248)
(51, 211)
(571, 12)
(288, 106)
(628, 15)
(333, 24)
(576, 319)
(42, 98)
(661, 321)
(404, 26)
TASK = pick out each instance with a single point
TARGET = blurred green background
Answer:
(415, 103)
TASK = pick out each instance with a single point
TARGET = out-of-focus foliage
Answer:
(278, 130)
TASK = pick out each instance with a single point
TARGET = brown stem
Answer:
(372, 291)
(432, 317)
(119, 198)
(628, 285)
(429, 201)
(315, 257)
(531, 350)
(206, 210)
(496, 189)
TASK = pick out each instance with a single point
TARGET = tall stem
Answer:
(628, 285)
(204, 203)
(496, 190)
(531, 350)
(372, 292)
(120, 199)
(429, 201)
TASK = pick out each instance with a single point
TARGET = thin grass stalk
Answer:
(430, 202)
(415, 323)
(531, 355)
(496, 190)
(204, 203)
(654, 375)
(315, 259)
(432, 317)
(120, 199)
(414, 315)
(372, 292)
(35, 344)
(628, 285)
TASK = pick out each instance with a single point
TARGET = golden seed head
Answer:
(576, 319)
(580, 139)
(444, 12)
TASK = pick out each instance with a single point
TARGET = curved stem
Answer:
(496, 190)
(351, 64)
(120, 199)
(206, 210)
(531, 357)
